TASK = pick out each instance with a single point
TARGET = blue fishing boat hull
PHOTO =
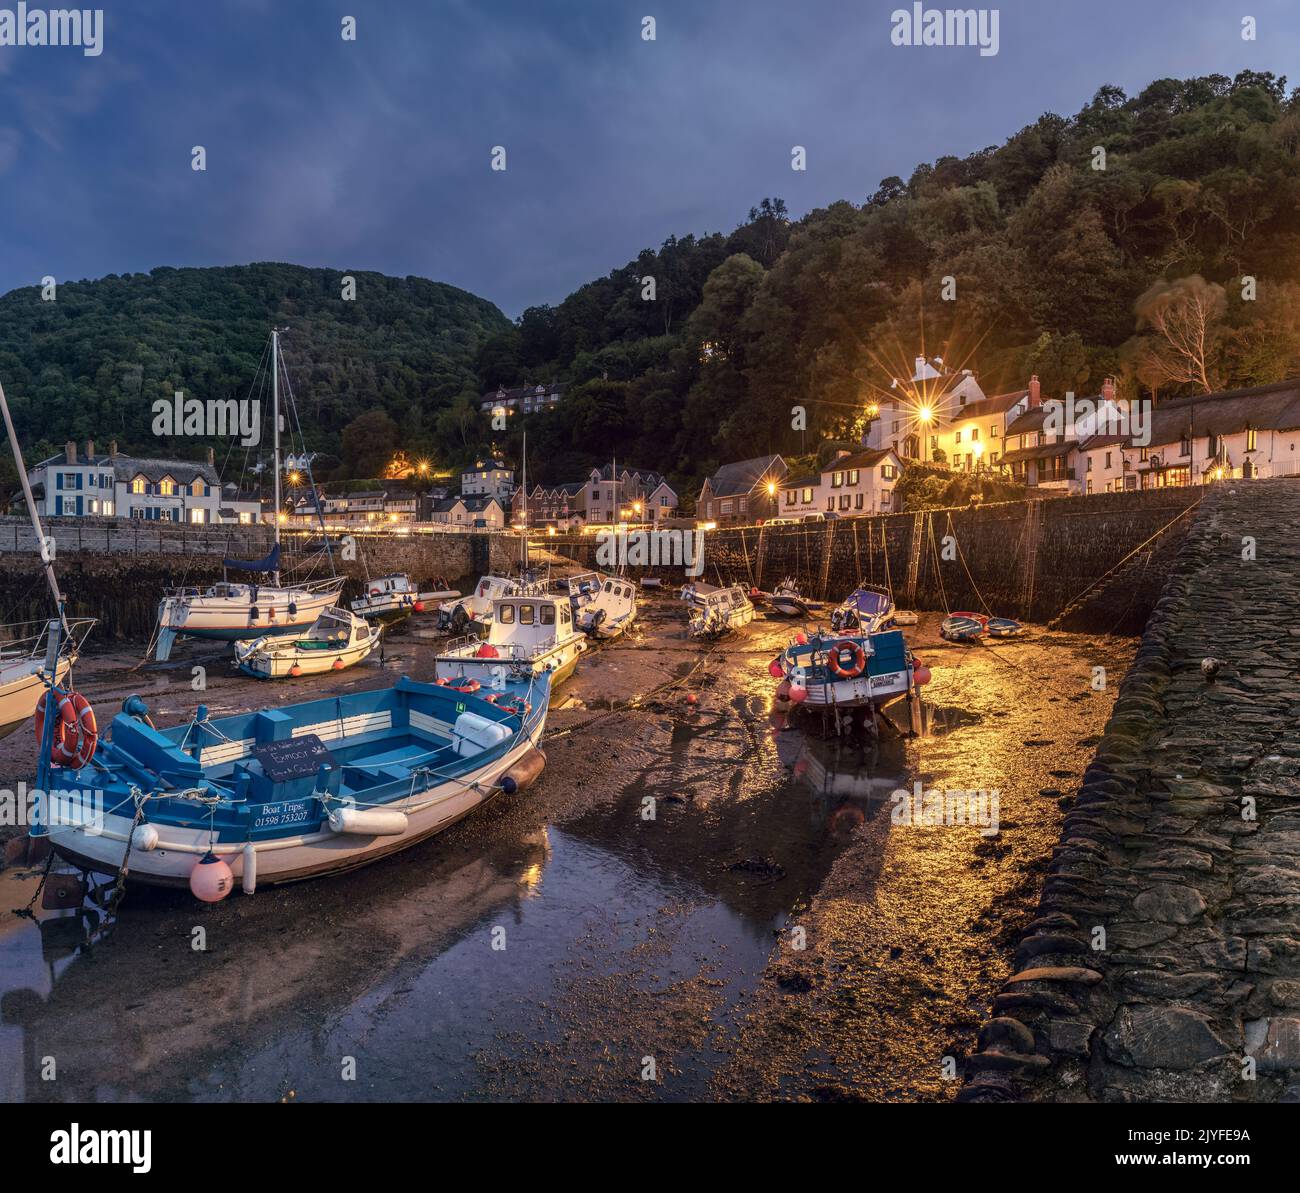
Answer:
(888, 676)
(295, 792)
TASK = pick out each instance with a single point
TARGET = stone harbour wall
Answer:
(1164, 962)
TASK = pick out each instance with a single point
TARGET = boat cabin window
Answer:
(548, 615)
(507, 614)
(608, 586)
(525, 614)
(564, 616)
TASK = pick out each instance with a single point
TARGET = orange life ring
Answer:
(76, 734)
(517, 706)
(466, 685)
(857, 659)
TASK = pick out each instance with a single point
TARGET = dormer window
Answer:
(167, 487)
(139, 485)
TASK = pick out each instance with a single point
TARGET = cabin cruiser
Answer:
(337, 640)
(531, 633)
(785, 599)
(395, 597)
(286, 793)
(477, 607)
(611, 610)
(717, 611)
(865, 610)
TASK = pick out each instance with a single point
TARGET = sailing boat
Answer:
(233, 612)
(31, 658)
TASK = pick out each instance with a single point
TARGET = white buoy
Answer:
(144, 837)
(368, 822)
(250, 868)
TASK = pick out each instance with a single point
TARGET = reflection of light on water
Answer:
(531, 876)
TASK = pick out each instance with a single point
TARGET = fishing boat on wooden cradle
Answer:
(717, 611)
(832, 671)
(395, 597)
(286, 793)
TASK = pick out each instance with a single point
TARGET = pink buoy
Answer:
(801, 638)
(797, 694)
(338, 664)
(418, 606)
(774, 669)
(692, 698)
(783, 690)
(211, 879)
(921, 673)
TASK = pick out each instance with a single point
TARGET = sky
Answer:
(376, 154)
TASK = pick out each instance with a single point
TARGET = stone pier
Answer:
(1164, 962)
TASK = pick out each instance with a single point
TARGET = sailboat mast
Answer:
(48, 562)
(524, 545)
(275, 435)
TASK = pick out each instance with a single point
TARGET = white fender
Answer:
(144, 837)
(368, 822)
(250, 868)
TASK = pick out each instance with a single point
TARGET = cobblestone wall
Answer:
(1164, 964)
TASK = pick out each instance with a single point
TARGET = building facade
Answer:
(742, 493)
(488, 478)
(853, 484)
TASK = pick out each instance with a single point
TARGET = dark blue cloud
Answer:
(375, 154)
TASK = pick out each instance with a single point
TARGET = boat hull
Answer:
(230, 619)
(289, 859)
(278, 662)
(20, 688)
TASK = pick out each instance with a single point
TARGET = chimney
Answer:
(1108, 390)
(70, 451)
(112, 449)
(1035, 391)
(918, 368)
(90, 449)
(212, 459)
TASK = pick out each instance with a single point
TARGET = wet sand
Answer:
(623, 930)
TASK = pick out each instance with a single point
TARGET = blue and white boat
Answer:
(865, 610)
(288, 793)
(846, 671)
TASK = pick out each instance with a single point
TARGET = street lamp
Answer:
(978, 449)
(925, 415)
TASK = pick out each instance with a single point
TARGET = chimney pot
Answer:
(1108, 389)
(112, 449)
(90, 449)
(1035, 391)
(212, 459)
(70, 451)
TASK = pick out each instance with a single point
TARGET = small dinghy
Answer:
(1004, 627)
(394, 598)
(905, 617)
(287, 793)
(962, 627)
(611, 610)
(337, 640)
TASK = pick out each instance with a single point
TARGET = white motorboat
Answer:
(456, 616)
(393, 597)
(611, 610)
(531, 633)
(718, 611)
(337, 640)
(234, 612)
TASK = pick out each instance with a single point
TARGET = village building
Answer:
(853, 484)
(742, 493)
(919, 411)
(82, 483)
(609, 495)
(523, 399)
(490, 478)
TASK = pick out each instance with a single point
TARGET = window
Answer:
(790, 495)
(1089, 467)
(1108, 459)
(108, 509)
(1250, 439)
(726, 508)
(548, 615)
(830, 503)
(527, 614)
(807, 497)
(1090, 486)
(853, 477)
(1184, 446)
(844, 501)
(708, 509)
(887, 472)
(744, 505)
(167, 487)
(857, 500)
(1144, 454)
(197, 489)
(139, 485)
(885, 499)
(956, 436)
(993, 431)
(974, 433)
(837, 479)
(166, 515)
(993, 457)
(198, 515)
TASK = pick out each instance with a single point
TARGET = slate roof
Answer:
(863, 459)
(125, 468)
(742, 477)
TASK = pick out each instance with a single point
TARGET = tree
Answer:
(369, 442)
(1184, 317)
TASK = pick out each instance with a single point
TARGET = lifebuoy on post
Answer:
(76, 734)
(857, 659)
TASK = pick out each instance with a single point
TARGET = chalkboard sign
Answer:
(293, 759)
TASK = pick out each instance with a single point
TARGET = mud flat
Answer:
(645, 893)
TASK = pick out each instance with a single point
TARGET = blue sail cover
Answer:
(270, 564)
(868, 603)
